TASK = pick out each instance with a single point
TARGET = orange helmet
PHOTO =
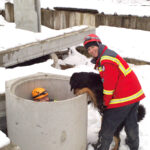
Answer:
(39, 93)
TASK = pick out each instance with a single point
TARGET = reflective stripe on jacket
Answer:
(121, 86)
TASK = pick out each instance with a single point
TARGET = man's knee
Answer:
(132, 133)
(132, 139)
(106, 133)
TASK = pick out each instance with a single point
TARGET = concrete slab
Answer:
(27, 15)
(33, 50)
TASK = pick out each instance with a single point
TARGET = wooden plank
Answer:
(2, 113)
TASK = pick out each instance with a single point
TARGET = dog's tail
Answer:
(141, 112)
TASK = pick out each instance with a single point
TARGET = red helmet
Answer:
(91, 38)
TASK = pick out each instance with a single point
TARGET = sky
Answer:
(127, 42)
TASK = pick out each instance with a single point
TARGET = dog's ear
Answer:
(73, 81)
(72, 85)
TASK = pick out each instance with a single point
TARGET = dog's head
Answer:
(79, 80)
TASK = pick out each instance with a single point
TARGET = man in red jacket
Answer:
(122, 93)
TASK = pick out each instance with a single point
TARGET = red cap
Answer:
(91, 38)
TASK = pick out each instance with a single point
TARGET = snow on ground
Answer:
(4, 140)
(83, 64)
(122, 7)
(12, 37)
(127, 42)
(106, 6)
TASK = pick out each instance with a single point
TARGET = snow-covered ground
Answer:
(83, 64)
(121, 39)
(12, 37)
(122, 7)
(4, 140)
(127, 42)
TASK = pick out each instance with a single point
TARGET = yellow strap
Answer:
(126, 99)
(108, 92)
(117, 61)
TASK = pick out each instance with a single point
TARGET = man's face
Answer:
(44, 99)
(93, 51)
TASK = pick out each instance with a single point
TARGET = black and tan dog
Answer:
(90, 83)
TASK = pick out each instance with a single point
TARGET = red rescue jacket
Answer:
(120, 84)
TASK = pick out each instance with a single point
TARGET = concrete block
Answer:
(60, 125)
(27, 15)
(30, 51)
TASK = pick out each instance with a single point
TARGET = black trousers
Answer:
(112, 118)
